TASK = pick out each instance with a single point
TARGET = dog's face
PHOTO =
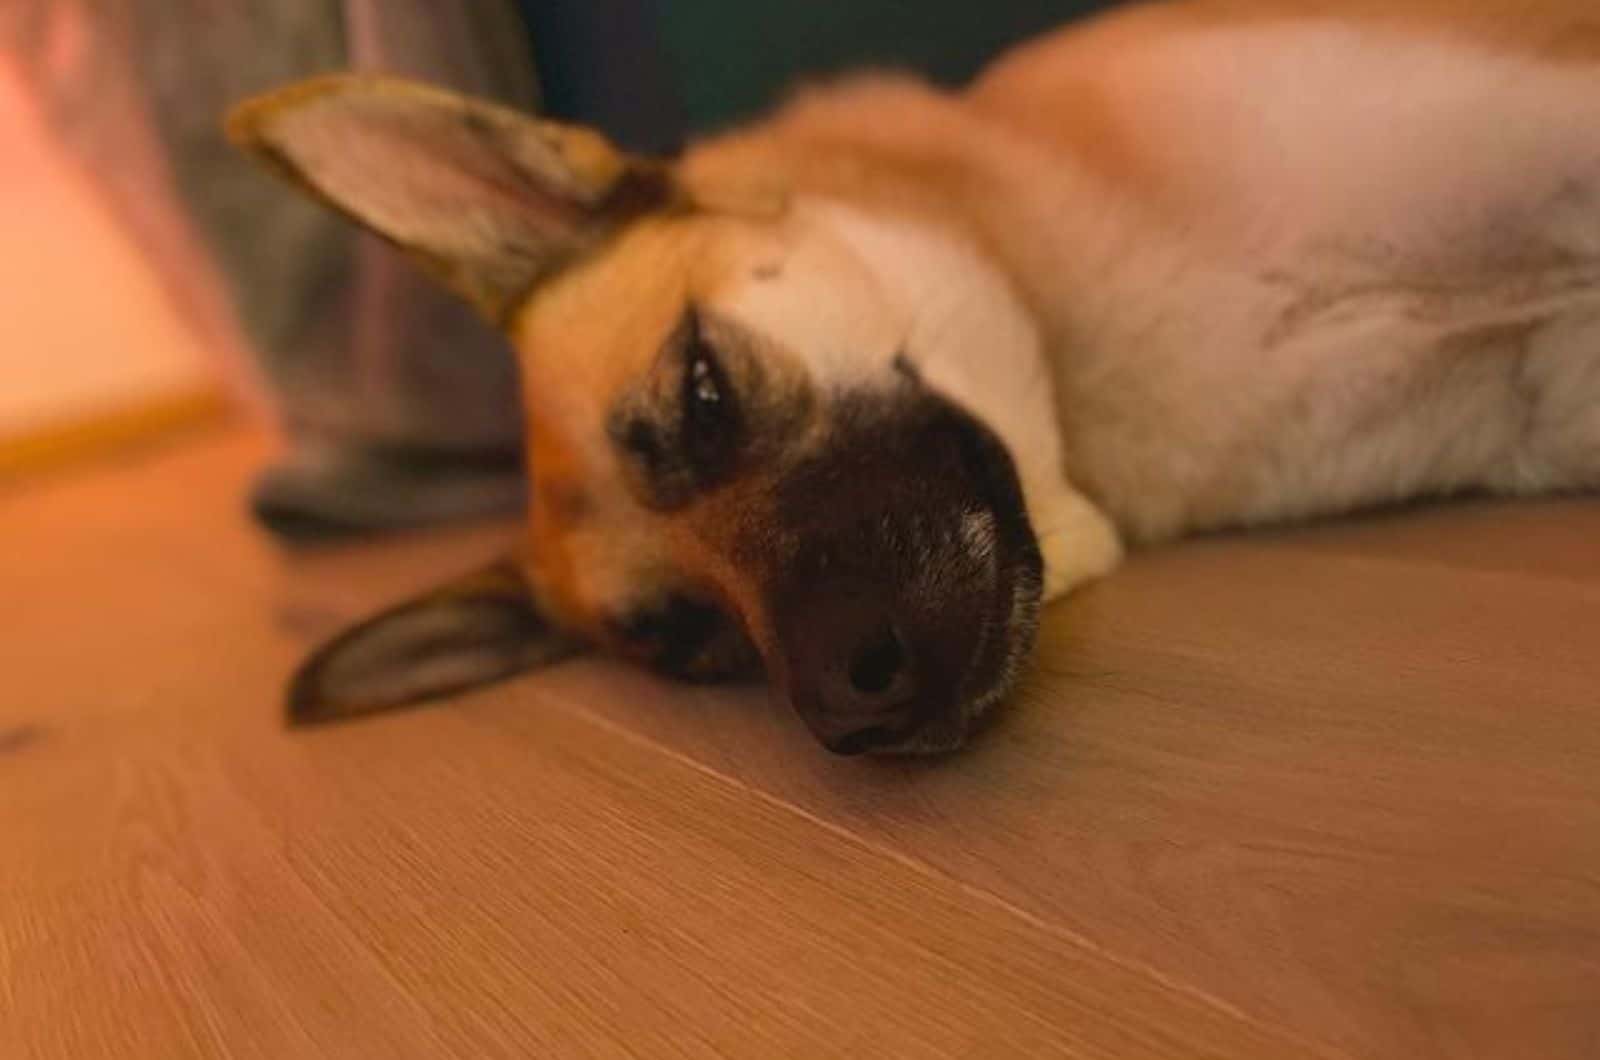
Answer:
(736, 459)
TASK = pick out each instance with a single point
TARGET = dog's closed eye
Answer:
(676, 636)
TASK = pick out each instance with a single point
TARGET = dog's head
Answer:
(745, 444)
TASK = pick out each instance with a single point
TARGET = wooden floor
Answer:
(1330, 793)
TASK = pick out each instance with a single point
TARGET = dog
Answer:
(845, 395)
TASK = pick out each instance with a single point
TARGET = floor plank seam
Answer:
(979, 894)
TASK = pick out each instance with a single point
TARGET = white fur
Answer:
(1377, 275)
(1369, 269)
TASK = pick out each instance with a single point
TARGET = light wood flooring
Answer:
(1324, 793)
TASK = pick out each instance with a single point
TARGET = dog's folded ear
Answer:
(472, 631)
(490, 200)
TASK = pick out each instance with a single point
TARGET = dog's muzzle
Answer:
(912, 595)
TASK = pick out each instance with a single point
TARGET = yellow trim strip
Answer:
(48, 448)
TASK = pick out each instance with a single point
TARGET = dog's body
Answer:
(1192, 266)
(1279, 267)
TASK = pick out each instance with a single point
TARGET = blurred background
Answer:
(151, 280)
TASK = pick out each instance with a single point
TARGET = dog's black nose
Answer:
(856, 674)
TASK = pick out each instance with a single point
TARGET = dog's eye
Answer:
(704, 388)
(684, 430)
(710, 420)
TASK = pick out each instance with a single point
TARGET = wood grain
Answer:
(1324, 793)
(1352, 795)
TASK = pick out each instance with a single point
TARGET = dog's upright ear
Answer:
(488, 199)
(472, 631)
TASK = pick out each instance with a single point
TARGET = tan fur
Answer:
(1075, 70)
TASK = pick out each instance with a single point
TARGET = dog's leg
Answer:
(1077, 541)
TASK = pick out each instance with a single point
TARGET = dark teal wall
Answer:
(654, 72)
(734, 57)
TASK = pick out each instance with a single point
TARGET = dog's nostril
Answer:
(877, 662)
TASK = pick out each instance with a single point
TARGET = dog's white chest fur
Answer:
(1374, 273)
